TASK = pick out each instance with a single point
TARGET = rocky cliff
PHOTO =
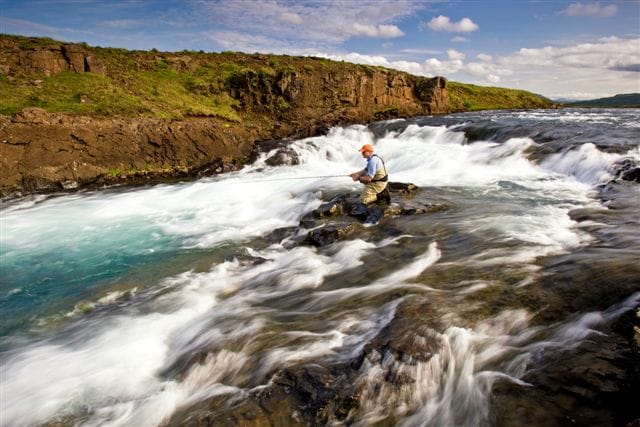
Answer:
(45, 150)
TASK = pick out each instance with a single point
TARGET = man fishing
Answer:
(373, 176)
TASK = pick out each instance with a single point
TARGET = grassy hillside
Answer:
(187, 83)
(618, 101)
(468, 97)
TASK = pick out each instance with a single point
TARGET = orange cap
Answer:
(366, 147)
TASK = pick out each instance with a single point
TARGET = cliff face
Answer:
(50, 151)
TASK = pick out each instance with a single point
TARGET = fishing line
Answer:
(294, 177)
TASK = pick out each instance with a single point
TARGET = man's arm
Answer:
(357, 176)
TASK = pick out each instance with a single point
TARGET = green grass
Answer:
(468, 97)
(162, 93)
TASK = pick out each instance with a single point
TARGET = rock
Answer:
(375, 214)
(332, 208)
(284, 156)
(330, 233)
(360, 211)
(69, 184)
(402, 188)
(631, 175)
(279, 235)
(627, 169)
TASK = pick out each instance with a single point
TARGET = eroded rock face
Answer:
(47, 59)
(41, 151)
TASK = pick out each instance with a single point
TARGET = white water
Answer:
(108, 368)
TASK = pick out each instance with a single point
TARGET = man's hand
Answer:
(355, 176)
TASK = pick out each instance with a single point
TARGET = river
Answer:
(168, 304)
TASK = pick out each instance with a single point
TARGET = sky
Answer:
(559, 49)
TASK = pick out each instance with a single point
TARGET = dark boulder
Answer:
(330, 233)
(402, 187)
(627, 169)
(282, 154)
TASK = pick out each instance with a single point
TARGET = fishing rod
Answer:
(299, 177)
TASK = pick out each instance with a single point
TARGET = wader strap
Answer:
(385, 178)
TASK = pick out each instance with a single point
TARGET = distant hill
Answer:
(618, 101)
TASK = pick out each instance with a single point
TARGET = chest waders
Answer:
(376, 190)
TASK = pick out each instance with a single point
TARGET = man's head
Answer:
(366, 150)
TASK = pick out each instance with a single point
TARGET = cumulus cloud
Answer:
(443, 23)
(454, 54)
(590, 9)
(379, 31)
(599, 55)
(606, 66)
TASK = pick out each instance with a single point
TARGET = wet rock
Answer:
(360, 211)
(280, 234)
(283, 153)
(627, 169)
(301, 395)
(412, 334)
(284, 156)
(595, 384)
(417, 209)
(331, 208)
(375, 214)
(631, 175)
(402, 188)
(330, 233)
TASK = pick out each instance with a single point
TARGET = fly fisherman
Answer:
(373, 176)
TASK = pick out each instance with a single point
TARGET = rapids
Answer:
(141, 306)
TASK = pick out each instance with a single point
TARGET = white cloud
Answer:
(605, 67)
(459, 39)
(443, 23)
(604, 55)
(380, 31)
(590, 9)
(454, 54)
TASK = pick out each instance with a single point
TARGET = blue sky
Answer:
(560, 49)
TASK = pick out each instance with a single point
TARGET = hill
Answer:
(468, 97)
(626, 100)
